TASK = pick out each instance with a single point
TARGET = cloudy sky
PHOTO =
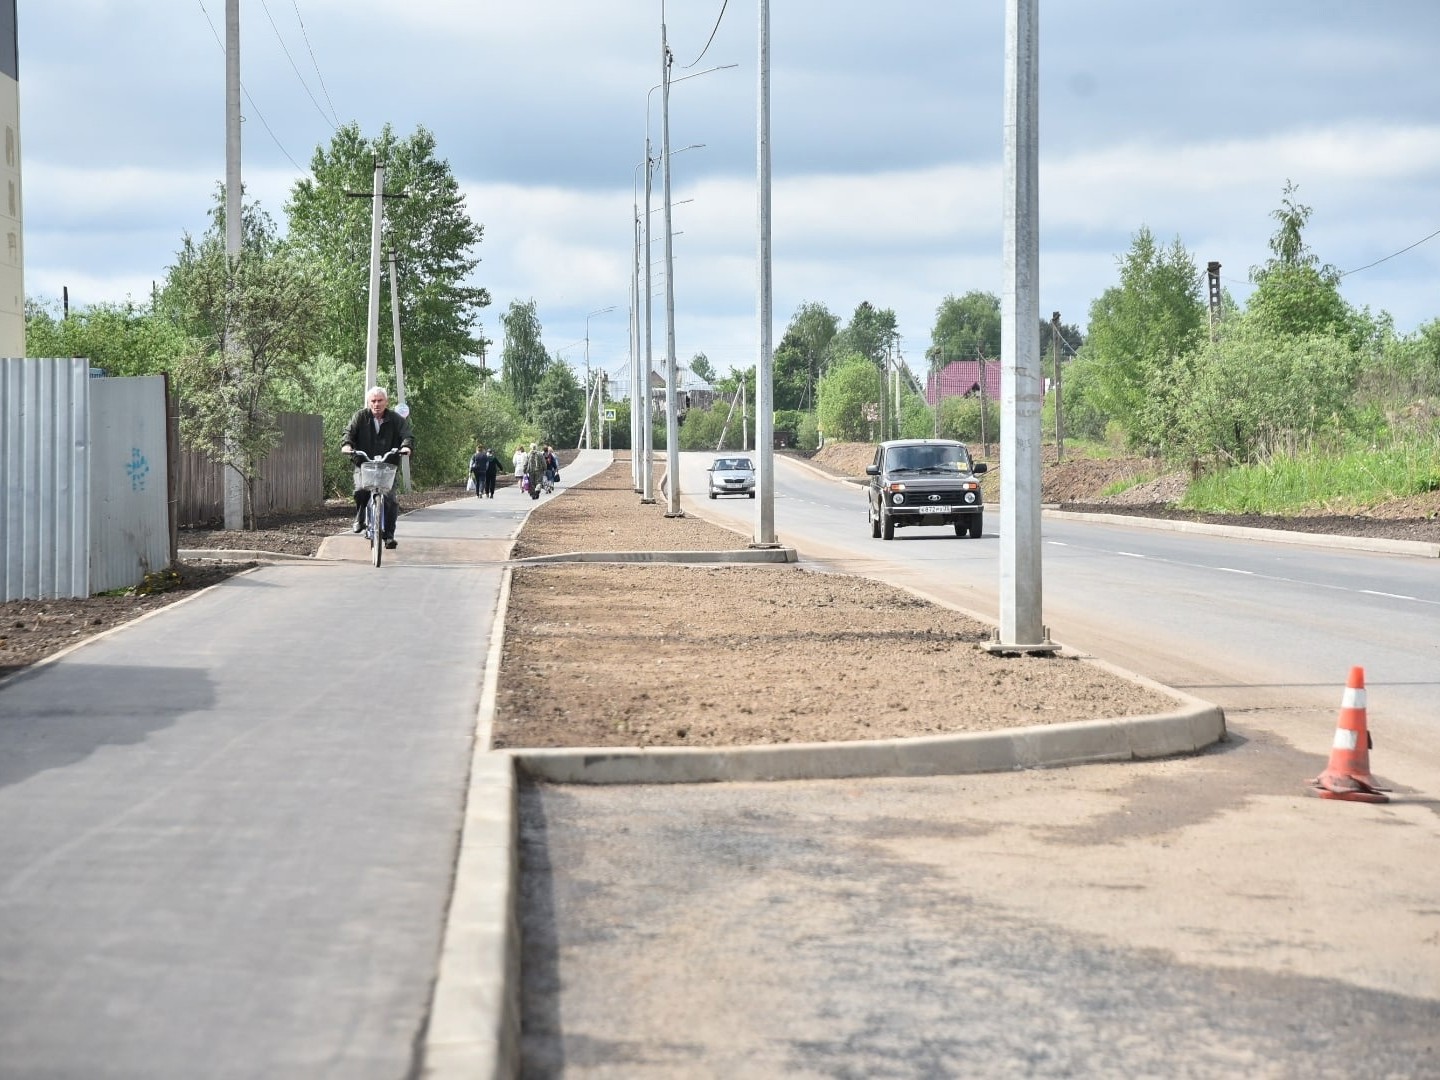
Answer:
(886, 130)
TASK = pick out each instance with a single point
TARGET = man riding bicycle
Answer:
(376, 430)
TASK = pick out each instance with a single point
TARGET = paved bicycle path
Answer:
(228, 832)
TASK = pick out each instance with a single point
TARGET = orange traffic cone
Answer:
(1348, 774)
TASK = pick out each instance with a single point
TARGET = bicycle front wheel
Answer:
(374, 516)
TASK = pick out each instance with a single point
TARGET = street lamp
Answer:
(602, 311)
(647, 483)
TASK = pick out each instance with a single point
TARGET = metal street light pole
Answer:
(672, 420)
(672, 436)
(1021, 629)
(764, 371)
(636, 416)
(588, 429)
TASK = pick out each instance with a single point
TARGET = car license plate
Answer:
(934, 509)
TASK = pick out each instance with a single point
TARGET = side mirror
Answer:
(979, 467)
(872, 470)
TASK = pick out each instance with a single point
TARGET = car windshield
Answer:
(942, 459)
(732, 464)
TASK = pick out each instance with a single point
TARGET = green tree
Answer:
(120, 339)
(523, 358)
(847, 395)
(1139, 331)
(251, 332)
(434, 242)
(701, 366)
(1294, 294)
(965, 327)
(802, 355)
(498, 423)
(557, 407)
(871, 333)
(1255, 393)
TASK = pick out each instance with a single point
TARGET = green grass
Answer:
(1120, 486)
(1341, 482)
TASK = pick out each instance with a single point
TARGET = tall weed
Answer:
(1342, 481)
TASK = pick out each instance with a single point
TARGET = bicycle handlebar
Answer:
(389, 455)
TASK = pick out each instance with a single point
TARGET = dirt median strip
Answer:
(650, 655)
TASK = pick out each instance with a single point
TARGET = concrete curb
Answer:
(745, 555)
(474, 1024)
(240, 555)
(1187, 730)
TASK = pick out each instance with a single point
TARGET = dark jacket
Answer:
(394, 433)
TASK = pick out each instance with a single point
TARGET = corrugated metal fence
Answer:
(45, 470)
(291, 478)
(86, 500)
(129, 485)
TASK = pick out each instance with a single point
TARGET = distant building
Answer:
(702, 394)
(961, 378)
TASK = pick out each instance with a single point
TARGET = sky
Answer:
(886, 136)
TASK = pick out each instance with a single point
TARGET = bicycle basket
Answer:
(377, 474)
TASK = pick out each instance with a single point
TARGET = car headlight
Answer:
(897, 498)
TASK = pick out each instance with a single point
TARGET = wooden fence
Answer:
(291, 478)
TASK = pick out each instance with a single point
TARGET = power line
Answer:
(1377, 262)
(293, 67)
(315, 63)
(259, 115)
(724, 4)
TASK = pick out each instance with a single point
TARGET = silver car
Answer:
(731, 476)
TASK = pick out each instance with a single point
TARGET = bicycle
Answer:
(377, 476)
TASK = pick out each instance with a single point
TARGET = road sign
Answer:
(609, 414)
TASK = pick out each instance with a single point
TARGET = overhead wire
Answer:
(259, 115)
(1377, 262)
(293, 66)
(723, 5)
(315, 63)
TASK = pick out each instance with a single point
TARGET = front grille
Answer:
(946, 497)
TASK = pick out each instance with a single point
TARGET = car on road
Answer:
(731, 476)
(924, 482)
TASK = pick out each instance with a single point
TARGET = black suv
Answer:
(924, 482)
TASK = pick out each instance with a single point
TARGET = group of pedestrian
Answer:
(484, 468)
(535, 466)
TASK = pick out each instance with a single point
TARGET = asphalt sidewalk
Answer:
(228, 830)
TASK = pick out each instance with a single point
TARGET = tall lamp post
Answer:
(764, 369)
(672, 418)
(647, 471)
(588, 429)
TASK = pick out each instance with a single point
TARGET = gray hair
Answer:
(377, 390)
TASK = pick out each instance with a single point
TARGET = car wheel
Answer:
(962, 527)
(887, 524)
(874, 521)
(977, 524)
(712, 493)
(752, 494)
